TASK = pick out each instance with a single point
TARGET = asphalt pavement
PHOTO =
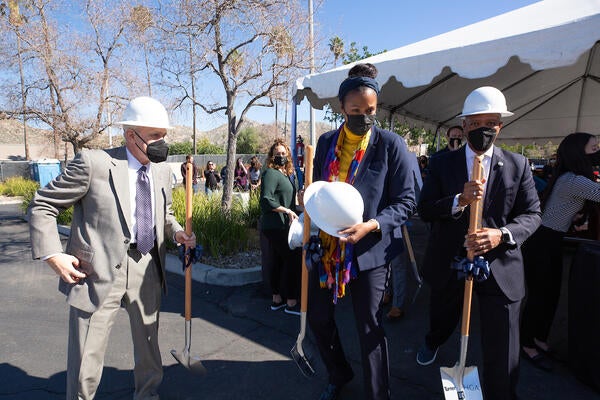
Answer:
(243, 344)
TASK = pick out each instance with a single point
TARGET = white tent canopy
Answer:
(544, 57)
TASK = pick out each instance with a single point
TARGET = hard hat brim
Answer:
(502, 113)
(141, 124)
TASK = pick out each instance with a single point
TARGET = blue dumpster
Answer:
(44, 170)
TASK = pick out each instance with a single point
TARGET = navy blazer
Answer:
(510, 200)
(385, 181)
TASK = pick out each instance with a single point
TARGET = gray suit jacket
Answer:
(96, 183)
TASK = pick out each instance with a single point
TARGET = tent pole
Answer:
(437, 137)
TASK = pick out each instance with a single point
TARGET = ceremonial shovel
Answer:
(413, 262)
(298, 351)
(193, 364)
(460, 382)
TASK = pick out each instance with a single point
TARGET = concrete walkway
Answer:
(243, 344)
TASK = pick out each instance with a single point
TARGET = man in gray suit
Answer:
(115, 254)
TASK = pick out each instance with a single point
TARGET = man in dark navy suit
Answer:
(511, 213)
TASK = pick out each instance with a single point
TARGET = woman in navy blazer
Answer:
(381, 171)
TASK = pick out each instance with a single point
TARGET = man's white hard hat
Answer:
(485, 100)
(145, 111)
(333, 206)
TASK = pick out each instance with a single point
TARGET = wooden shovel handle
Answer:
(188, 230)
(475, 216)
(308, 172)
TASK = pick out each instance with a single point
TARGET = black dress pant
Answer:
(542, 255)
(367, 293)
(284, 266)
(499, 332)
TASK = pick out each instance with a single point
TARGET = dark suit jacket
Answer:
(510, 201)
(386, 184)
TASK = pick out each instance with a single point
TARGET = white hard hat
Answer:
(296, 232)
(333, 206)
(485, 100)
(145, 111)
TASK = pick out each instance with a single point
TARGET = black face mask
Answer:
(280, 160)
(156, 151)
(360, 124)
(455, 143)
(594, 158)
(481, 139)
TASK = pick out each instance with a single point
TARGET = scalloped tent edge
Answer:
(544, 57)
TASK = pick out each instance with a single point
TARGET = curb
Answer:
(216, 276)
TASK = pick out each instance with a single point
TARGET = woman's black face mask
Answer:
(360, 124)
(280, 160)
(594, 158)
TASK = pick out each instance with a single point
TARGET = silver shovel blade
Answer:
(461, 383)
(302, 361)
(193, 364)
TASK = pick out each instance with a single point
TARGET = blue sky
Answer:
(388, 24)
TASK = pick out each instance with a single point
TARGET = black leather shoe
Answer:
(332, 392)
(539, 361)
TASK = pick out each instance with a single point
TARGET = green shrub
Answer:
(218, 232)
(254, 209)
(18, 186)
(28, 189)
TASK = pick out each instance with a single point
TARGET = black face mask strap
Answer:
(138, 135)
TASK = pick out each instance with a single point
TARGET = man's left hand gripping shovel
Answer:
(460, 382)
(193, 364)
(298, 351)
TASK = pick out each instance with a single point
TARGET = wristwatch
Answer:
(505, 235)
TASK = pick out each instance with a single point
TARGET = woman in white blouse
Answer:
(573, 184)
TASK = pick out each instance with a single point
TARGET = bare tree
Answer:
(76, 83)
(182, 60)
(142, 20)
(254, 47)
(15, 20)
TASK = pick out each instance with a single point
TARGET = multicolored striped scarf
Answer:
(337, 268)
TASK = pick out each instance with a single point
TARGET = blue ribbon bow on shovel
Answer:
(479, 268)
(314, 252)
(194, 255)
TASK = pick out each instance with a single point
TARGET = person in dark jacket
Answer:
(511, 213)
(211, 178)
(377, 163)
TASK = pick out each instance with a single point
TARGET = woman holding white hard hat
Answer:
(369, 170)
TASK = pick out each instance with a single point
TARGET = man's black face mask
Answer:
(481, 139)
(156, 151)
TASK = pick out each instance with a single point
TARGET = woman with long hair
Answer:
(377, 163)
(254, 172)
(278, 195)
(240, 174)
(572, 185)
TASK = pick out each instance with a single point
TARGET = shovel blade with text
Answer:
(461, 383)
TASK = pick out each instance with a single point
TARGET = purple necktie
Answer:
(143, 213)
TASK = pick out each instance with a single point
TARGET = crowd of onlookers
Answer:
(247, 177)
